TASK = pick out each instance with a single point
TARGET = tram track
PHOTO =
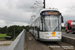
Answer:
(60, 46)
(32, 44)
(43, 46)
(54, 46)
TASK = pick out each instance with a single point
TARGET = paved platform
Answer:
(32, 44)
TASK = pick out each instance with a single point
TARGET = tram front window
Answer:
(51, 23)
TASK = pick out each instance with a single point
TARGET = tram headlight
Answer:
(58, 37)
(46, 33)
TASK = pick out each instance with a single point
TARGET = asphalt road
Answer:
(71, 35)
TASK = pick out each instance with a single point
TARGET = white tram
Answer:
(47, 25)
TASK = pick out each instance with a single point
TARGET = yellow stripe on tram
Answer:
(53, 33)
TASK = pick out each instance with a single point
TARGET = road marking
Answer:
(68, 47)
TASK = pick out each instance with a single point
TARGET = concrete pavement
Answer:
(5, 42)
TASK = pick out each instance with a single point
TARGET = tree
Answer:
(14, 30)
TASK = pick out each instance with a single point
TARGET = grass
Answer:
(2, 38)
(3, 35)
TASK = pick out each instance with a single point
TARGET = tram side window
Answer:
(33, 25)
(37, 24)
(40, 25)
(59, 24)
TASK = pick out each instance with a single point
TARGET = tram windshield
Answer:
(51, 23)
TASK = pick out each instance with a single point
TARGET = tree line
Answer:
(11, 30)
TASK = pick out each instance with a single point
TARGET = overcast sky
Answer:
(18, 12)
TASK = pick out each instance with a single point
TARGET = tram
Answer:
(47, 25)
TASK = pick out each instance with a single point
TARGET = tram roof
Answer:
(48, 9)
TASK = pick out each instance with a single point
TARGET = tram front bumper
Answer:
(49, 39)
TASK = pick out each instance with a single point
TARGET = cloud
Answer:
(19, 23)
(15, 11)
(18, 12)
(66, 7)
(2, 23)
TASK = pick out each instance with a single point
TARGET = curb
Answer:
(68, 40)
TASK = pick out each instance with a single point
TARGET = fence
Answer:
(18, 43)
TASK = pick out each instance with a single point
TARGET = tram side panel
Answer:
(37, 27)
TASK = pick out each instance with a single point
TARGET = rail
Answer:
(18, 43)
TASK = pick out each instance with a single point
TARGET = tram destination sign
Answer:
(45, 13)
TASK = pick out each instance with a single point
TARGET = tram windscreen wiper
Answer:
(56, 27)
